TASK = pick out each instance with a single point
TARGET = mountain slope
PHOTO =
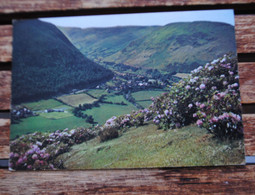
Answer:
(45, 63)
(98, 43)
(179, 47)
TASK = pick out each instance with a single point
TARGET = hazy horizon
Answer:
(142, 19)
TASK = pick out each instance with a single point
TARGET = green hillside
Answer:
(45, 63)
(178, 47)
(98, 43)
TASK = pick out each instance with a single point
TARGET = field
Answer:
(97, 92)
(44, 124)
(43, 104)
(76, 99)
(106, 111)
(146, 146)
(146, 95)
(116, 99)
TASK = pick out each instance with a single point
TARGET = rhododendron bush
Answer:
(40, 150)
(209, 97)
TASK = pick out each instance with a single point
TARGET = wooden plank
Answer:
(15, 6)
(4, 138)
(5, 43)
(245, 33)
(248, 121)
(245, 37)
(249, 134)
(5, 90)
(212, 180)
(247, 82)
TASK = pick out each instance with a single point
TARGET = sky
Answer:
(143, 19)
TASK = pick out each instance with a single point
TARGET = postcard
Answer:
(137, 90)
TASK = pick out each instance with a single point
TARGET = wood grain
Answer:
(212, 180)
(247, 82)
(245, 37)
(5, 43)
(249, 134)
(5, 90)
(4, 138)
(248, 121)
(15, 6)
(245, 33)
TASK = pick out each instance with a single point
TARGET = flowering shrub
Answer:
(209, 96)
(39, 150)
(136, 118)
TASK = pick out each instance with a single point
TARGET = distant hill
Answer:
(46, 63)
(178, 47)
(98, 43)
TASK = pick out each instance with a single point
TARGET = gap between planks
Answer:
(28, 6)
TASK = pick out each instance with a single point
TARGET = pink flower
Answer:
(234, 85)
(187, 87)
(225, 82)
(199, 122)
(210, 68)
(202, 86)
(198, 103)
(214, 87)
(29, 167)
(166, 112)
(35, 157)
(20, 161)
(190, 105)
(230, 72)
(194, 115)
(202, 106)
(214, 119)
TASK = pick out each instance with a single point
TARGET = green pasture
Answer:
(106, 111)
(116, 99)
(45, 124)
(146, 146)
(76, 99)
(146, 95)
(97, 92)
(43, 104)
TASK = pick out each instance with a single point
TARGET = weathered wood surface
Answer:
(5, 90)
(245, 37)
(249, 134)
(248, 121)
(4, 138)
(198, 180)
(245, 33)
(246, 73)
(247, 82)
(5, 43)
(205, 180)
(14, 6)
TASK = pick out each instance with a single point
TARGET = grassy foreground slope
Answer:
(146, 146)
